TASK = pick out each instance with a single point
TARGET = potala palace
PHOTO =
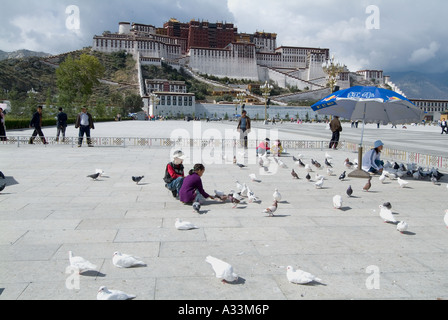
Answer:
(218, 49)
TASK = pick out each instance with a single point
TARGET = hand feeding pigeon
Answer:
(94, 176)
(300, 276)
(106, 294)
(223, 270)
(122, 260)
(402, 226)
(184, 225)
(270, 210)
(337, 202)
(137, 179)
(80, 263)
(386, 215)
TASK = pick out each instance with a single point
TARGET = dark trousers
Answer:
(445, 129)
(61, 129)
(84, 130)
(334, 139)
(37, 131)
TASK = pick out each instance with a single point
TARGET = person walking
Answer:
(244, 128)
(36, 123)
(336, 129)
(444, 126)
(61, 125)
(84, 122)
(2, 126)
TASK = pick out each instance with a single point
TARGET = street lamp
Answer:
(241, 96)
(266, 90)
(154, 101)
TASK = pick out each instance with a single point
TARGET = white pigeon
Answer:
(318, 176)
(386, 214)
(270, 210)
(122, 260)
(184, 225)
(402, 226)
(308, 168)
(382, 178)
(300, 276)
(402, 183)
(106, 294)
(282, 164)
(327, 156)
(251, 196)
(337, 202)
(446, 218)
(80, 263)
(100, 171)
(253, 177)
(277, 196)
(223, 270)
(239, 186)
(330, 171)
(319, 183)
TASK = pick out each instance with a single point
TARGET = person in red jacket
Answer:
(174, 173)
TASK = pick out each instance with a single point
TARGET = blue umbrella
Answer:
(369, 104)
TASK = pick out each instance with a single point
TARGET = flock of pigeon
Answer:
(224, 270)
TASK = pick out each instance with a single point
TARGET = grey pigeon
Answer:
(387, 205)
(349, 191)
(2, 187)
(308, 177)
(294, 174)
(94, 176)
(328, 164)
(137, 179)
(342, 176)
(2, 175)
(197, 207)
(241, 165)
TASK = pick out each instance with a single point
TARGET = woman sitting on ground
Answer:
(371, 161)
(192, 190)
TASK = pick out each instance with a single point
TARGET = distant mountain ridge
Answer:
(21, 54)
(418, 85)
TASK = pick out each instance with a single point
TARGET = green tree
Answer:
(76, 79)
(133, 103)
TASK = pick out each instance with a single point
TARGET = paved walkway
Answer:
(50, 207)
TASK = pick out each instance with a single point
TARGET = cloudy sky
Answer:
(393, 35)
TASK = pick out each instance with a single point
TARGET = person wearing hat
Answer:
(174, 173)
(371, 161)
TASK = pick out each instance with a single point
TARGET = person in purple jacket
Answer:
(192, 190)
